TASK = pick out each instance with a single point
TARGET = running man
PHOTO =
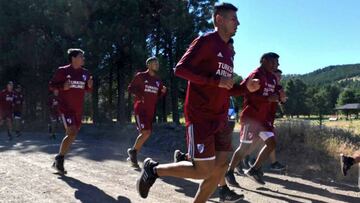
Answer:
(255, 121)
(347, 161)
(7, 97)
(225, 194)
(147, 89)
(53, 103)
(72, 81)
(208, 67)
(18, 109)
(274, 164)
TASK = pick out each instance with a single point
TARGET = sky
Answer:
(307, 34)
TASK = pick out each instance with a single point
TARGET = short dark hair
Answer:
(150, 59)
(222, 8)
(269, 55)
(74, 52)
(231, 41)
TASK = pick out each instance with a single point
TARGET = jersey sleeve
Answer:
(58, 80)
(135, 87)
(257, 95)
(187, 66)
(239, 90)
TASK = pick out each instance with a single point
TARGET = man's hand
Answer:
(253, 84)
(164, 89)
(67, 85)
(273, 98)
(90, 82)
(226, 83)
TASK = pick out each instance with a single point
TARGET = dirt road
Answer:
(98, 172)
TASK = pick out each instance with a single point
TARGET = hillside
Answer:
(330, 74)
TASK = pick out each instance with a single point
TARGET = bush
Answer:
(313, 151)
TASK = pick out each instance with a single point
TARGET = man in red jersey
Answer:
(208, 67)
(18, 108)
(72, 81)
(147, 89)
(225, 194)
(255, 120)
(53, 103)
(7, 97)
(275, 165)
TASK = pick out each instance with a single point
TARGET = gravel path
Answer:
(98, 172)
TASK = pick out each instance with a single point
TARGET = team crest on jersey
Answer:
(84, 77)
(200, 148)
(157, 83)
(69, 120)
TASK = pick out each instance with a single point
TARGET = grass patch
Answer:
(313, 151)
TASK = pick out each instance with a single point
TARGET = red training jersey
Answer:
(207, 60)
(72, 100)
(256, 106)
(7, 101)
(147, 91)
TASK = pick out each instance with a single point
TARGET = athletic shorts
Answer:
(143, 121)
(206, 138)
(17, 114)
(251, 131)
(71, 119)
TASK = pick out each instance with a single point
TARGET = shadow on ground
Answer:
(90, 193)
(308, 189)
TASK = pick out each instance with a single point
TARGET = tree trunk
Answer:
(120, 116)
(173, 85)
(129, 105)
(110, 92)
(95, 100)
